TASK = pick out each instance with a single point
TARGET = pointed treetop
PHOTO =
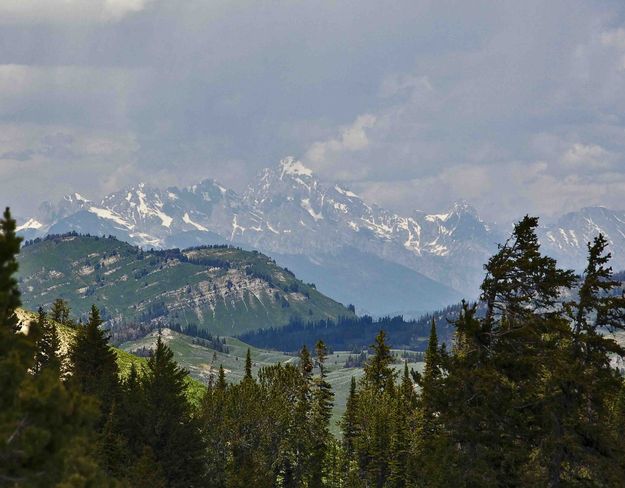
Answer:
(432, 358)
(321, 351)
(408, 394)
(305, 362)
(378, 371)
(521, 280)
(221, 379)
(248, 365)
(48, 344)
(597, 305)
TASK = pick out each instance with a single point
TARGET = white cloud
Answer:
(352, 138)
(67, 11)
(116, 9)
(589, 156)
(502, 192)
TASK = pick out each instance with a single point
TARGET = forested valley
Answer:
(527, 392)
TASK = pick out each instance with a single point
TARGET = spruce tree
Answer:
(94, 363)
(349, 425)
(248, 365)
(597, 306)
(215, 430)
(430, 380)
(248, 427)
(48, 344)
(9, 292)
(401, 462)
(379, 375)
(306, 365)
(580, 385)
(123, 438)
(171, 431)
(521, 292)
(406, 390)
(59, 312)
(321, 414)
(376, 405)
(520, 281)
(221, 379)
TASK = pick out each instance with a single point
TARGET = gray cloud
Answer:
(515, 106)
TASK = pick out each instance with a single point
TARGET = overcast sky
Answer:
(516, 106)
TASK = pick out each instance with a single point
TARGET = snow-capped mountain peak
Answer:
(29, 224)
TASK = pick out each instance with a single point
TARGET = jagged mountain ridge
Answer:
(290, 212)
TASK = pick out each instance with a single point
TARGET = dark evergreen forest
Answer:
(354, 333)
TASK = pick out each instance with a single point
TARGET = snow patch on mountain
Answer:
(146, 210)
(80, 198)
(345, 192)
(187, 220)
(30, 224)
(107, 214)
(436, 217)
(306, 206)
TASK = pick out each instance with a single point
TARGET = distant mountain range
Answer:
(355, 251)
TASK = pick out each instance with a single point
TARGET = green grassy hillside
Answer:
(226, 291)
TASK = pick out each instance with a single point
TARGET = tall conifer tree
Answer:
(171, 431)
(321, 414)
(94, 363)
(9, 292)
(48, 344)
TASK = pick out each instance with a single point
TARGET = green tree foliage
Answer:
(46, 433)
(169, 429)
(527, 394)
(60, 312)
(401, 462)
(370, 420)
(94, 364)
(48, 344)
(9, 292)
(349, 423)
(322, 402)
(379, 375)
(215, 430)
(272, 430)
(580, 386)
(248, 365)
